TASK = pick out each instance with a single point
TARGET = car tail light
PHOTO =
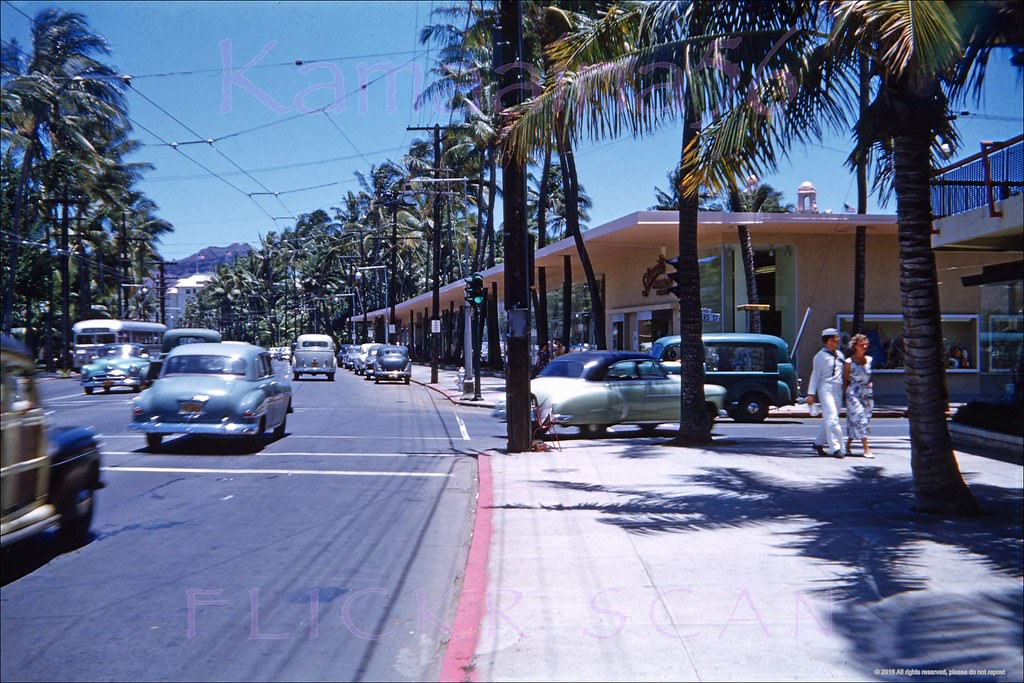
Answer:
(249, 414)
(136, 411)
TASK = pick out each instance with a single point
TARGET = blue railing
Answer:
(982, 179)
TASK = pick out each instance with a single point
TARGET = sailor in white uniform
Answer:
(826, 389)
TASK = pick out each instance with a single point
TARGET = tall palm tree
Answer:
(57, 90)
(925, 56)
(637, 67)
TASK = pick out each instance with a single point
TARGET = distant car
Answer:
(49, 477)
(359, 359)
(369, 365)
(392, 363)
(226, 389)
(593, 390)
(177, 337)
(755, 369)
(117, 365)
(314, 355)
(343, 355)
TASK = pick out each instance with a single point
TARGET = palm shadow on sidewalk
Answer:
(863, 522)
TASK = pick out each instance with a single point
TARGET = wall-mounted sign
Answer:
(656, 279)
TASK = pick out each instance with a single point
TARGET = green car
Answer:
(117, 365)
(592, 390)
(755, 369)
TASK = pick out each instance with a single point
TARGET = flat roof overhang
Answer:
(651, 230)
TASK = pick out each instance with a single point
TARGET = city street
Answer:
(332, 554)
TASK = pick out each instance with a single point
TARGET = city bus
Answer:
(89, 335)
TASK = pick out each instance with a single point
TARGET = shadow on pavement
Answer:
(891, 555)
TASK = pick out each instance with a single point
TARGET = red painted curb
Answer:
(458, 665)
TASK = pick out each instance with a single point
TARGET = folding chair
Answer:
(543, 423)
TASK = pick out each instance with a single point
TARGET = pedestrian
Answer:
(826, 389)
(860, 398)
(543, 358)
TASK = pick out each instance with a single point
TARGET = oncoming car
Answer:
(593, 390)
(117, 365)
(49, 476)
(225, 389)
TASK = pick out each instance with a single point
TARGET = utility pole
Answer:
(508, 47)
(163, 290)
(435, 311)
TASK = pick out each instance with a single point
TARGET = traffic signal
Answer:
(475, 289)
(674, 276)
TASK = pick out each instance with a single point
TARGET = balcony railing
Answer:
(982, 179)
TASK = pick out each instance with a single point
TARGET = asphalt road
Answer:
(334, 553)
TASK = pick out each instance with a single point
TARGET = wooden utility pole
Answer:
(508, 47)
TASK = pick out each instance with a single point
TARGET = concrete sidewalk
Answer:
(751, 559)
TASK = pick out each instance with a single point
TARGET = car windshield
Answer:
(204, 365)
(120, 351)
(562, 368)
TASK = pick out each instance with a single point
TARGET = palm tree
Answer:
(632, 70)
(53, 94)
(924, 56)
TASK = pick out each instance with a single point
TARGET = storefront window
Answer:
(1002, 336)
(710, 261)
(885, 339)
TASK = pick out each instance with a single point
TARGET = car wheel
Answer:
(87, 390)
(330, 376)
(256, 440)
(752, 408)
(153, 441)
(406, 380)
(279, 429)
(77, 506)
(137, 388)
(295, 377)
(594, 430)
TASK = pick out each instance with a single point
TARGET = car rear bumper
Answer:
(107, 382)
(225, 428)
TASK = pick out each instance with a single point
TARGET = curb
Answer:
(457, 665)
(971, 438)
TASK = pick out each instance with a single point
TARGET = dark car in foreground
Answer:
(227, 389)
(48, 476)
(392, 363)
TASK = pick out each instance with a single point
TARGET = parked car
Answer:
(225, 389)
(177, 337)
(369, 365)
(117, 365)
(593, 390)
(49, 477)
(359, 360)
(343, 355)
(392, 363)
(314, 355)
(755, 369)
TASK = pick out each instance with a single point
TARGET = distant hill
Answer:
(206, 260)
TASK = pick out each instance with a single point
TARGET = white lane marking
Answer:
(332, 455)
(313, 436)
(462, 428)
(337, 473)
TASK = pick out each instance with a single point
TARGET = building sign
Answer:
(656, 279)
(709, 316)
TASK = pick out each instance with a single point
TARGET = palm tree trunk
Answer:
(12, 261)
(694, 427)
(542, 241)
(939, 486)
(747, 252)
(860, 247)
(570, 182)
(492, 191)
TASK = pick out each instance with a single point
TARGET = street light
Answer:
(387, 295)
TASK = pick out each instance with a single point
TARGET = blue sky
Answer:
(191, 82)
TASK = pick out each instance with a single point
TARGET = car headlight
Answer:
(134, 371)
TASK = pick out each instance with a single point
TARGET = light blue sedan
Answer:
(226, 389)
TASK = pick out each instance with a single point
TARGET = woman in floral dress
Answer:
(859, 394)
